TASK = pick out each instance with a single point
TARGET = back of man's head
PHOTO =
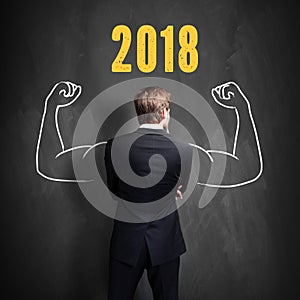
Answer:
(149, 104)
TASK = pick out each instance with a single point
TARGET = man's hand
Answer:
(178, 193)
(229, 95)
(64, 93)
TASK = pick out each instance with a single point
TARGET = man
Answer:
(156, 245)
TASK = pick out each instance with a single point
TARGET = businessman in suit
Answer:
(155, 245)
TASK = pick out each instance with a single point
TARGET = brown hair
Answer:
(149, 104)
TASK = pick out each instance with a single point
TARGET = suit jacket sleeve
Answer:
(110, 173)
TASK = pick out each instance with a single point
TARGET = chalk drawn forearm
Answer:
(230, 96)
(63, 94)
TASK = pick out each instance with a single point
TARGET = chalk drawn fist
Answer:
(64, 93)
(229, 95)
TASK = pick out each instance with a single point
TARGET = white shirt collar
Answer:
(151, 126)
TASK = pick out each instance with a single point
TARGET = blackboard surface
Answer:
(243, 245)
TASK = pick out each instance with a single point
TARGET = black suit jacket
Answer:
(163, 234)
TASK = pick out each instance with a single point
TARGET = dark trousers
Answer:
(163, 279)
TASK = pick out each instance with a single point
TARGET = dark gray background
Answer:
(243, 245)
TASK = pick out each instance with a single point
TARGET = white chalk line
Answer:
(202, 149)
(222, 88)
(72, 88)
(94, 146)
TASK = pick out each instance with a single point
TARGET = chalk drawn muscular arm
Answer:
(243, 167)
(52, 160)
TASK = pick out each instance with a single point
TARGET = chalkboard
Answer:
(243, 244)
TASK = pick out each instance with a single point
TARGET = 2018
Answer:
(146, 56)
